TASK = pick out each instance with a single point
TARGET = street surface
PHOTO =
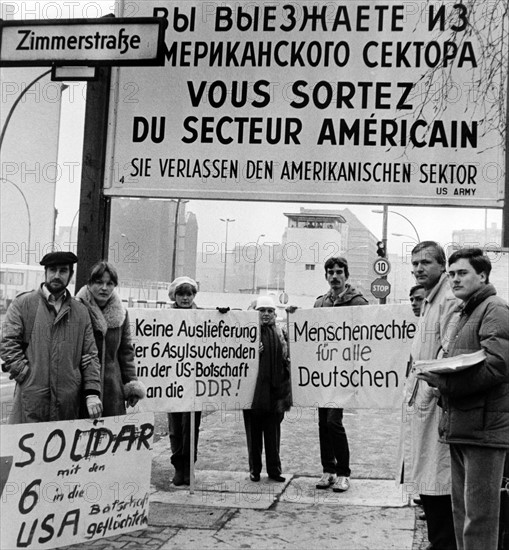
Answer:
(227, 511)
(6, 394)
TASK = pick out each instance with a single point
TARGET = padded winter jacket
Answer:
(476, 400)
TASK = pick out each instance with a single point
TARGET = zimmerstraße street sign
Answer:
(90, 42)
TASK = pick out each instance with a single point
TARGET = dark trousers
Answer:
(477, 474)
(438, 510)
(503, 534)
(263, 427)
(179, 425)
(334, 450)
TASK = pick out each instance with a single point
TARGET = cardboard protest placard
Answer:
(352, 357)
(74, 481)
(191, 359)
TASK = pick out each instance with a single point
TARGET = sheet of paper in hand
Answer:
(452, 364)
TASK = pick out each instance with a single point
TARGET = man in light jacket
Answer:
(49, 350)
(475, 401)
(428, 470)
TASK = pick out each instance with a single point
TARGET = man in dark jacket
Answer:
(49, 350)
(272, 395)
(334, 449)
(475, 401)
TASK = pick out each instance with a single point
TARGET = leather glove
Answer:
(223, 309)
(94, 406)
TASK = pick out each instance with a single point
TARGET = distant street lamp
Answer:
(29, 218)
(354, 248)
(2, 137)
(255, 260)
(226, 221)
(406, 236)
(404, 217)
(72, 228)
(15, 104)
(175, 240)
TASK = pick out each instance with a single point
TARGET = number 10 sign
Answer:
(381, 266)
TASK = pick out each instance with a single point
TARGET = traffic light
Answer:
(380, 249)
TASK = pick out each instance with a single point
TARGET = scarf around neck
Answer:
(111, 316)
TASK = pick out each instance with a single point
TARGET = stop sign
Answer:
(380, 288)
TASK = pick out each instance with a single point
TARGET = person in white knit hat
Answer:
(272, 395)
(183, 292)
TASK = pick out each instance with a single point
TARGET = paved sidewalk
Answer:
(228, 511)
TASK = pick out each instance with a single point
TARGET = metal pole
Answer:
(175, 242)
(129, 300)
(384, 240)
(227, 221)
(410, 222)
(225, 256)
(71, 230)
(254, 262)
(94, 207)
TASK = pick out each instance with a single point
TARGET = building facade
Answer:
(152, 242)
(312, 236)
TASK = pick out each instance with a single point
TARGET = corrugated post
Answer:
(94, 219)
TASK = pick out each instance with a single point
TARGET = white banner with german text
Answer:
(194, 359)
(350, 357)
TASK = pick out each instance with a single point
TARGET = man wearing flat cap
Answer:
(49, 350)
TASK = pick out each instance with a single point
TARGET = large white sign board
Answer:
(192, 359)
(63, 483)
(353, 357)
(351, 102)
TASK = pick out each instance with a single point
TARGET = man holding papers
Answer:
(475, 400)
(428, 465)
